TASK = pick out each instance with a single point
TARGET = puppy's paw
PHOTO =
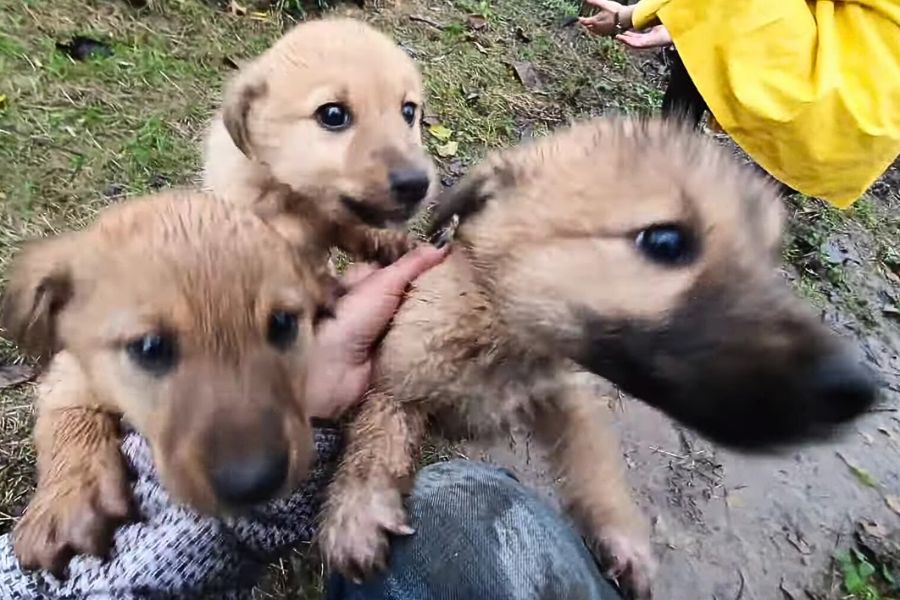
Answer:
(354, 536)
(74, 511)
(627, 556)
(391, 245)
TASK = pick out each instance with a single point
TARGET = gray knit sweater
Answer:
(173, 552)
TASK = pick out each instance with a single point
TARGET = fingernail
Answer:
(405, 530)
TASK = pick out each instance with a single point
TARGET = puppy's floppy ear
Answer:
(469, 195)
(239, 100)
(40, 285)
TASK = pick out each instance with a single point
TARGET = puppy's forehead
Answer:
(619, 175)
(341, 58)
(184, 247)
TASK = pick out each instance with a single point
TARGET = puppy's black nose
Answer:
(251, 479)
(846, 387)
(409, 186)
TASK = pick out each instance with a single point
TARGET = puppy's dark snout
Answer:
(251, 479)
(409, 186)
(845, 386)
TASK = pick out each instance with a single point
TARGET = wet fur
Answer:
(545, 288)
(203, 271)
(266, 134)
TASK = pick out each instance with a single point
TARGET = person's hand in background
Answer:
(340, 359)
(604, 21)
(652, 38)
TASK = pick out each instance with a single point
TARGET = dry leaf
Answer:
(11, 375)
(476, 22)
(861, 474)
(447, 150)
(440, 132)
(893, 503)
(527, 74)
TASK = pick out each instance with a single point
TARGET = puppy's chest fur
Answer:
(449, 354)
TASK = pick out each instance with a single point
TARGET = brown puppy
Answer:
(190, 318)
(334, 105)
(632, 250)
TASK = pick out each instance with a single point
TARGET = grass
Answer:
(75, 136)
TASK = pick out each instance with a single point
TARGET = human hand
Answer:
(340, 360)
(604, 22)
(652, 38)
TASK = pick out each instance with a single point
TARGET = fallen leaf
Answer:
(522, 36)
(528, 75)
(891, 311)
(893, 503)
(82, 48)
(861, 474)
(440, 132)
(2, 100)
(11, 375)
(476, 22)
(447, 150)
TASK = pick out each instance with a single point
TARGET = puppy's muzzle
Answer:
(251, 479)
(846, 387)
(409, 186)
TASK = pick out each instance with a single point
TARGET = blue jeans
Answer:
(481, 535)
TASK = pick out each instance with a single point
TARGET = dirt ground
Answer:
(76, 135)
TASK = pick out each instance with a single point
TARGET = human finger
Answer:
(393, 279)
(356, 273)
(369, 306)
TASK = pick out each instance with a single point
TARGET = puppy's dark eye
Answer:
(409, 112)
(283, 329)
(333, 116)
(666, 244)
(155, 353)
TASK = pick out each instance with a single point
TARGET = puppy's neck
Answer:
(483, 314)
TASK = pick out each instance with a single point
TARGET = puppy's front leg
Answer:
(585, 453)
(365, 501)
(82, 491)
(369, 243)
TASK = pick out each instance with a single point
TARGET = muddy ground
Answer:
(76, 135)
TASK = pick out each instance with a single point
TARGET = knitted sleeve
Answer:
(174, 552)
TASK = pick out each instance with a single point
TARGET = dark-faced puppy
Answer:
(334, 105)
(188, 317)
(631, 250)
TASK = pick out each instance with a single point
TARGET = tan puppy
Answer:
(632, 250)
(190, 318)
(334, 105)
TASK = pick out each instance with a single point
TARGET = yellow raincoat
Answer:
(809, 89)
